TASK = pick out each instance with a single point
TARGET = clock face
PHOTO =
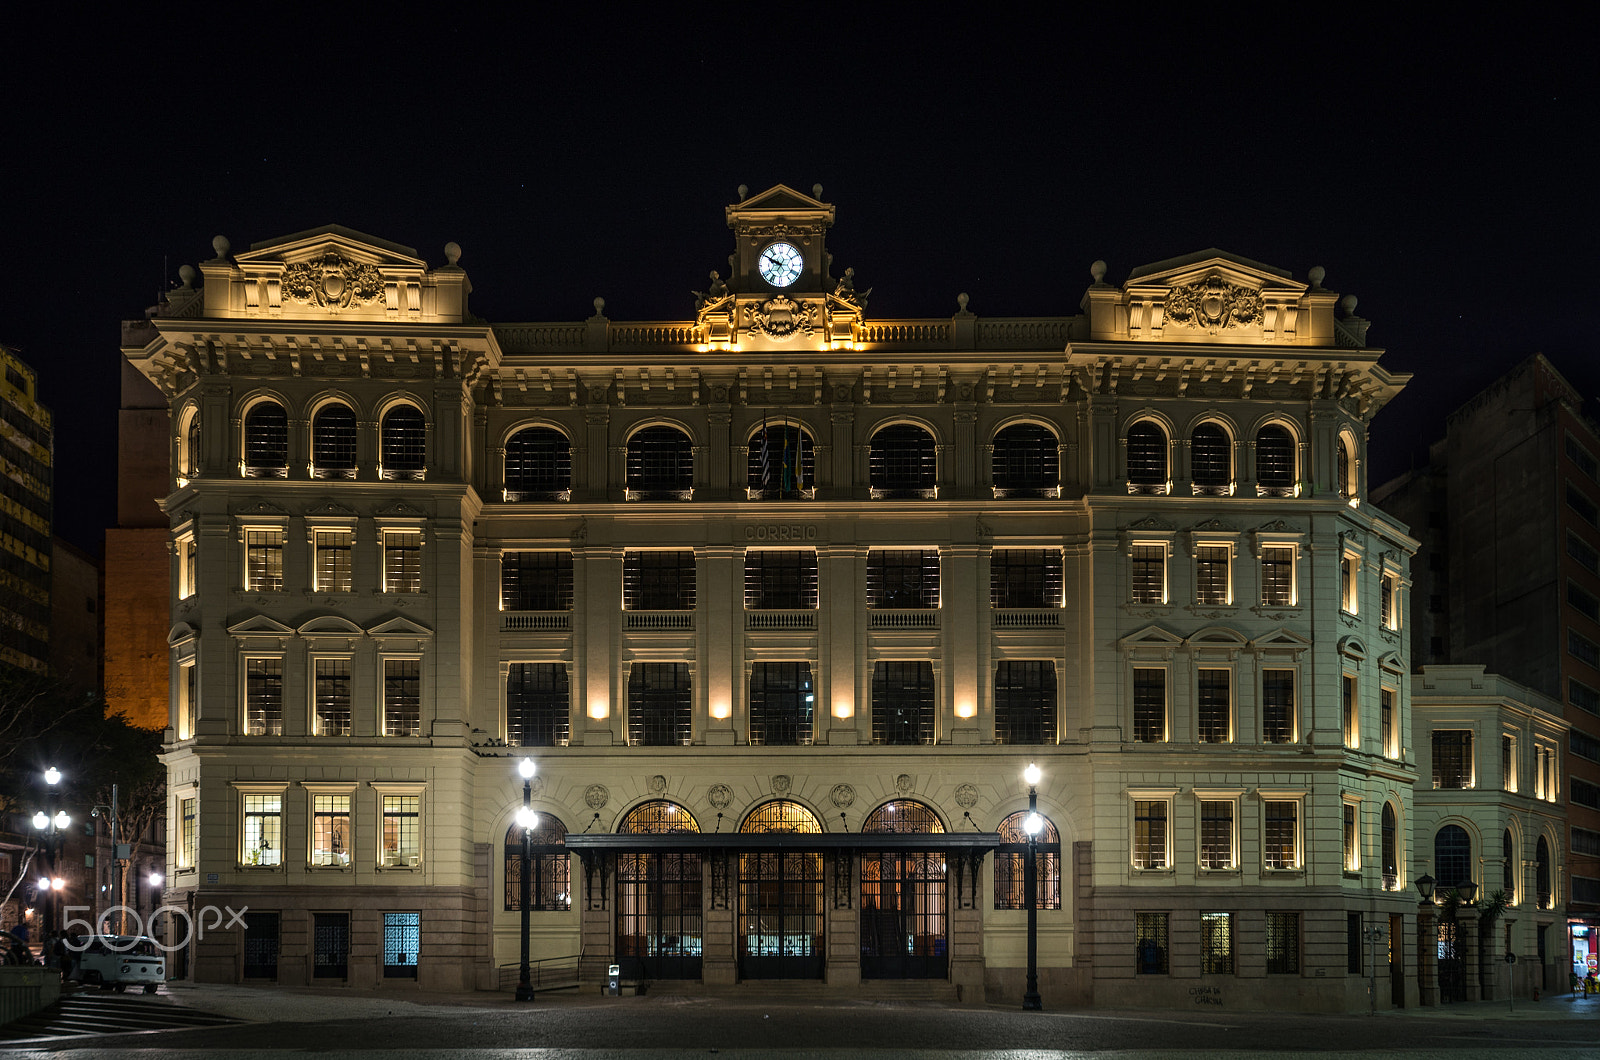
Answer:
(781, 264)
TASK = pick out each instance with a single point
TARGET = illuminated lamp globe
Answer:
(52, 775)
(1033, 824)
(41, 820)
(62, 819)
(527, 819)
(1031, 775)
(526, 768)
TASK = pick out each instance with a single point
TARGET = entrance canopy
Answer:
(970, 843)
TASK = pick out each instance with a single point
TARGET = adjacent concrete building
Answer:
(26, 456)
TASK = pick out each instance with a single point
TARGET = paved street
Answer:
(665, 1026)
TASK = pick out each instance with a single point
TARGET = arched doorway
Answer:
(780, 899)
(904, 927)
(660, 915)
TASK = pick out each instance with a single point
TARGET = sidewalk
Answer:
(1557, 1007)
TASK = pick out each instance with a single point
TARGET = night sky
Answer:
(1446, 177)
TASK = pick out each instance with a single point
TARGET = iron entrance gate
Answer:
(903, 928)
(1452, 969)
(660, 921)
(780, 916)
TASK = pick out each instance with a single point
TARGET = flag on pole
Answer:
(766, 455)
(788, 476)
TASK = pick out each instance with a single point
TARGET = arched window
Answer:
(189, 447)
(781, 815)
(1011, 865)
(903, 463)
(266, 441)
(1391, 851)
(660, 919)
(660, 465)
(1508, 874)
(904, 926)
(1541, 877)
(1147, 458)
(782, 463)
(1275, 471)
(549, 867)
(1027, 462)
(781, 907)
(1345, 471)
(657, 817)
(404, 437)
(1211, 460)
(903, 815)
(333, 442)
(538, 466)
(1452, 856)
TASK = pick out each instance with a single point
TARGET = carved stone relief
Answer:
(966, 796)
(596, 796)
(335, 282)
(781, 784)
(719, 795)
(1213, 303)
(843, 796)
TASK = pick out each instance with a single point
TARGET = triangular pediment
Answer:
(1203, 265)
(1280, 640)
(400, 626)
(260, 625)
(318, 243)
(331, 625)
(1150, 637)
(781, 197)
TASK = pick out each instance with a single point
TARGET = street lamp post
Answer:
(52, 833)
(527, 820)
(1030, 887)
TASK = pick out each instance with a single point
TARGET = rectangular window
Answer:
(188, 697)
(330, 945)
(1213, 575)
(782, 704)
(1582, 696)
(1147, 568)
(538, 704)
(1583, 602)
(1216, 943)
(332, 549)
(1452, 758)
(263, 697)
(1150, 943)
(402, 937)
(1216, 834)
(1277, 706)
(402, 830)
(1388, 601)
(1585, 842)
(263, 830)
(1583, 649)
(1584, 793)
(1277, 576)
(902, 579)
(1391, 747)
(1280, 839)
(332, 697)
(330, 830)
(1149, 705)
(1580, 456)
(902, 703)
(188, 833)
(188, 566)
(1347, 583)
(1546, 773)
(1025, 577)
(1352, 943)
(1150, 834)
(402, 697)
(536, 581)
(263, 560)
(658, 705)
(1352, 838)
(402, 561)
(1581, 551)
(1025, 702)
(1583, 506)
(1583, 745)
(1283, 943)
(1214, 706)
(658, 581)
(1508, 762)
(1585, 891)
(1347, 707)
(780, 580)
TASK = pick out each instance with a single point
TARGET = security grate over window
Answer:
(266, 441)
(1275, 468)
(660, 465)
(1026, 462)
(1147, 458)
(1150, 943)
(538, 465)
(903, 463)
(538, 702)
(902, 703)
(549, 865)
(405, 444)
(1211, 460)
(333, 442)
(1216, 943)
(1011, 865)
(1283, 943)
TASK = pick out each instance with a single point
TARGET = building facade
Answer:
(781, 600)
(27, 451)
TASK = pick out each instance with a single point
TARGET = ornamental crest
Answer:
(1213, 303)
(842, 796)
(596, 796)
(335, 282)
(719, 795)
(782, 318)
(966, 796)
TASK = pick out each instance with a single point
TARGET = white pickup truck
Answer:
(115, 962)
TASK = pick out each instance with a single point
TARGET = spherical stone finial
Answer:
(744, 192)
(962, 300)
(816, 191)
(1098, 271)
(186, 274)
(599, 307)
(452, 252)
(1316, 274)
(221, 246)
(1348, 304)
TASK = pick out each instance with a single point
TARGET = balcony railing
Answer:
(536, 621)
(924, 619)
(1026, 618)
(780, 620)
(658, 621)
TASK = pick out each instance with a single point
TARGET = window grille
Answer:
(658, 581)
(266, 441)
(780, 579)
(1026, 462)
(260, 945)
(1211, 575)
(538, 705)
(402, 697)
(1025, 702)
(330, 829)
(402, 829)
(333, 442)
(538, 465)
(658, 705)
(903, 578)
(263, 830)
(1150, 943)
(901, 816)
(404, 443)
(902, 703)
(1150, 834)
(1277, 576)
(330, 945)
(263, 558)
(1452, 856)
(549, 867)
(1216, 834)
(263, 695)
(1216, 943)
(333, 697)
(536, 581)
(1214, 712)
(333, 560)
(1391, 850)
(1149, 705)
(658, 817)
(1148, 573)
(780, 816)
(1011, 865)
(1147, 458)
(1280, 839)
(402, 561)
(660, 464)
(782, 462)
(1452, 758)
(402, 936)
(1275, 461)
(1025, 577)
(782, 704)
(1211, 460)
(903, 463)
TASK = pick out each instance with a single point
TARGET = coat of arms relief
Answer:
(334, 282)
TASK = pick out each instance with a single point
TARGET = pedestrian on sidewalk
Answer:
(1591, 985)
(1577, 983)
